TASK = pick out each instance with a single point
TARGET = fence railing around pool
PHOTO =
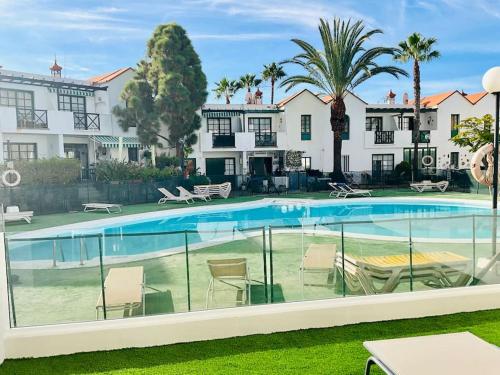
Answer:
(85, 275)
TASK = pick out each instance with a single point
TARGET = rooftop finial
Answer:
(55, 70)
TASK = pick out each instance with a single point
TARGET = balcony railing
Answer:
(424, 136)
(86, 121)
(32, 119)
(222, 140)
(265, 139)
(384, 137)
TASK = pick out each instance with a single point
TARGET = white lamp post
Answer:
(491, 83)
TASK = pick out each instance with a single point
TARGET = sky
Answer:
(234, 37)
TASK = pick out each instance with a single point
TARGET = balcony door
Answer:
(261, 166)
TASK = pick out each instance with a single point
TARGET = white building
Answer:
(50, 116)
(241, 139)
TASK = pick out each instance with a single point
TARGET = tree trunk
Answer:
(228, 101)
(416, 124)
(337, 123)
(272, 91)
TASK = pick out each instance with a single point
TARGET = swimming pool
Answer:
(147, 233)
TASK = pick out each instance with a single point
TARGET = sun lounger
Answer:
(345, 190)
(453, 353)
(12, 213)
(227, 271)
(89, 207)
(336, 192)
(123, 290)
(187, 194)
(222, 190)
(168, 196)
(383, 273)
(319, 258)
(427, 185)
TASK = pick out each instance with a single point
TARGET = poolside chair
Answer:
(12, 213)
(383, 274)
(428, 185)
(89, 207)
(228, 271)
(225, 190)
(349, 191)
(319, 258)
(187, 194)
(336, 192)
(168, 196)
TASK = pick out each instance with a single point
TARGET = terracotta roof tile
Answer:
(433, 100)
(106, 77)
(474, 98)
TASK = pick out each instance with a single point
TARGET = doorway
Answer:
(260, 166)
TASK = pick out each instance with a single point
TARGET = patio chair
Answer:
(227, 271)
(225, 190)
(319, 258)
(428, 185)
(336, 192)
(12, 213)
(348, 191)
(187, 194)
(89, 207)
(168, 196)
(383, 274)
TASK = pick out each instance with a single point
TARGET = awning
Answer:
(111, 141)
(211, 114)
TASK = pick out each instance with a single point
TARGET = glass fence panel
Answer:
(54, 280)
(227, 267)
(487, 250)
(144, 273)
(377, 262)
(442, 252)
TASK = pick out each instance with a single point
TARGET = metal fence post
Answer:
(264, 258)
(12, 309)
(343, 259)
(271, 271)
(473, 246)
(54, 253)
(410, 245)
(187, 270)
(101, 267)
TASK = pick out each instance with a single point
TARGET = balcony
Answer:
(223, 140)
(266, 139)
(86, 121)
(384, 137)
(32, 118)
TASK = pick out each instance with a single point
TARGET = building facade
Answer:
(44, 116)
(253, 139)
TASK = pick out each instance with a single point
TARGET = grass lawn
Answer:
(337, 350)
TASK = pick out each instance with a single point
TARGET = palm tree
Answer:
(226, 88)
(249, 81)
(273, 72)
(418, 49)
(344, 63)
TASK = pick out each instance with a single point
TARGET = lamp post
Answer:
(491, 83)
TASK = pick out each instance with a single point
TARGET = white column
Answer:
(60, 145)
(1, 148)
(244, 168)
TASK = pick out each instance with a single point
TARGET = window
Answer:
(305, 127)
(259, 124)
(454, 157)
(405, 123)
(71, 103)
(424, 151)
(219, 125)
(345, 133)
(306, 162)
(229, 167)
(455, 120)
(382, 164)
(133, 154)
(19, 151)
(373, 123)
(345, 163)
(16, 98)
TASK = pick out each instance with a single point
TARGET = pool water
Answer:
(368, 217)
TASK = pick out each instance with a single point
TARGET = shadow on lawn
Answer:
(352, 336)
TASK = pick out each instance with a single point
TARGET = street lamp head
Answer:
(491, 80)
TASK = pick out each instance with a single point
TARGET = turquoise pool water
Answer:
(430, 219)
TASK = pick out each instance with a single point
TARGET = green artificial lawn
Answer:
(337, 350)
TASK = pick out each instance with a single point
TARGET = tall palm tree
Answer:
(273, 72)
(249, 81)
(226, 88)
(344, 63)
(417, 49)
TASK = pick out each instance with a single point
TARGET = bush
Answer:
(115, 170)
(402, 171)
(164, 161)
(48, 171)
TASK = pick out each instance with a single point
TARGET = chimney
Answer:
(55, 70)
(405, 98)
(390, 98)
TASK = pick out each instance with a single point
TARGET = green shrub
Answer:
(115, 170)
(164, 161)
(47, 171)
(402, 171)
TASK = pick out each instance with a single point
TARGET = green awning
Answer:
(111, 141)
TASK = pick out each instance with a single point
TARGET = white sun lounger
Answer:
(168, 196)
(12, 213)
(453, 353)
(123, 290)
(89, 207)
(222, 190)
(336, 192)
(427, 185)
(346, 191)
(187, 194)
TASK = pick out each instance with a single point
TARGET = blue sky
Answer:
(234, 37)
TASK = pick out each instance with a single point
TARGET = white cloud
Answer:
(239, 37)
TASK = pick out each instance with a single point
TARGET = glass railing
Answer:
(86, 274)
